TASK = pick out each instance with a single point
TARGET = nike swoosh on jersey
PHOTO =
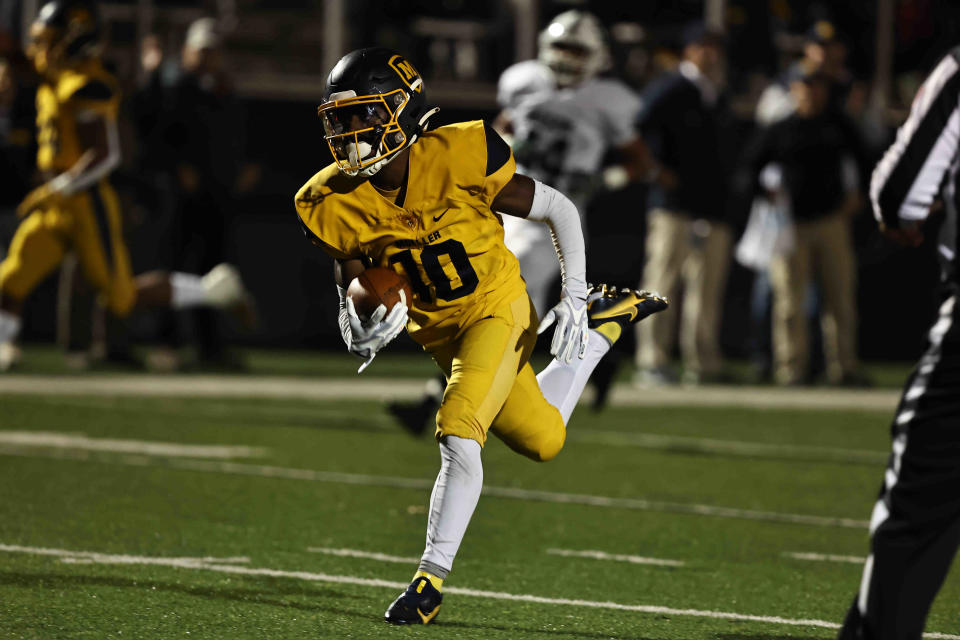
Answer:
(437, 218)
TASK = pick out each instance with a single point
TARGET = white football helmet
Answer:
(574, 47)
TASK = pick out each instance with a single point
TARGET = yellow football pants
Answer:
(89, 224)
(491, 386)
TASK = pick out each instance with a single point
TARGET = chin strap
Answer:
(422, 125)
(376, 166)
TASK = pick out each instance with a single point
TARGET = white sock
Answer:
(9, 326)
(452, 502)
(562, 384)
(186, 290)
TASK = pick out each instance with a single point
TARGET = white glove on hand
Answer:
(366, 338)
(571, 334)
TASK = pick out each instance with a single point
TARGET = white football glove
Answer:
(571, 334)
(366, 338)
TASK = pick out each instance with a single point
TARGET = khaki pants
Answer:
(696, 254)
(824, 251)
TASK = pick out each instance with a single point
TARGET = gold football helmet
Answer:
(374, 106)
(63, 33)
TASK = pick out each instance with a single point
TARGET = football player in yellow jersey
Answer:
(76, 209)
(428, 204)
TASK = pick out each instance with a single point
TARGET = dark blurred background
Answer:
(276, 52)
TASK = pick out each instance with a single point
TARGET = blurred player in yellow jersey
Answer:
(428, 204)
(76, 209)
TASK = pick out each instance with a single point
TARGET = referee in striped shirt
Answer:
(915, 527)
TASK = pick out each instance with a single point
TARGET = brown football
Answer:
(376, 286)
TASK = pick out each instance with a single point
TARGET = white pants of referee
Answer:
(915, 527)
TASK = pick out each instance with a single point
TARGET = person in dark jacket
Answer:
(810, 159)
(195, 128)
(688, 237)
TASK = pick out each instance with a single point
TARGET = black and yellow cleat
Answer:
(419, 604)
(611, 310)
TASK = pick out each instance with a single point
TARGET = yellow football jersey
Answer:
(89, 88)
(443, 235)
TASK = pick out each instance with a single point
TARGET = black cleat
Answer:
(611, 310)
(419, 604)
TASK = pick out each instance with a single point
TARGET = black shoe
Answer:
(419, 604)
(611, 310)
(415, 417)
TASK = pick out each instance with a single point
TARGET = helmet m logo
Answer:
(407, 73)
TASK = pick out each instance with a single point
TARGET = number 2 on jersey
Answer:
(430, 260)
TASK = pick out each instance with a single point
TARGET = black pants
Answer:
(915, 528)
(198, 235)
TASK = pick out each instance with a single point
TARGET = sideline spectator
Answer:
(688, 237)
(823, 48)
(75, 208)
(808, 161)
(199, 139)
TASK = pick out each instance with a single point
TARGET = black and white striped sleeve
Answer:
(907, 180)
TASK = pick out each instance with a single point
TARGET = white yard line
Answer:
(369, 555)
(61, 440)
(824, 557)
(204, 386)
(228, 409)
(88, 558)
(660, 442)
(395, 482)
(615, 557)
(181, 563)
(364, 388)
(112, 558)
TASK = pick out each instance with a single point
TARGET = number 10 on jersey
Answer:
(430, 257)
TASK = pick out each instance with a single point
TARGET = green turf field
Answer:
(48, 359)
(127, 517)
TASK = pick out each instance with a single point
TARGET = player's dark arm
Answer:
(516, 197)
(657, 109)
(757, 154)
(344, 271)
(99, 139)
(524, 197)
(642, 164)
(634, 162)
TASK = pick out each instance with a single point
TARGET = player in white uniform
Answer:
(561, 118)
